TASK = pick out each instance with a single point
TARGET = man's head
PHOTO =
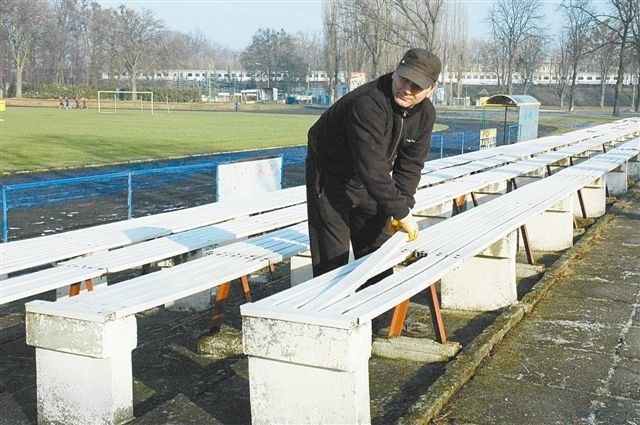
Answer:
(415, 77)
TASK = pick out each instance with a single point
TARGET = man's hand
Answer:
(408, 224)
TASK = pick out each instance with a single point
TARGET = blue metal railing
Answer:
(6, 189)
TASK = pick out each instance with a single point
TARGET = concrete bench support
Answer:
(617, 180)
(484, 282)
(559, 165)
(633, 167)
(489, 192)
(196, 302)
(303, 373)
(430, 216)
(83, 369)
(553, 229)
(594, 197)
(301, 268)
(530, 177)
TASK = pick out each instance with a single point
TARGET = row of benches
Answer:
(308, 362)
(435, 201)
(103, 323)
(21, 255)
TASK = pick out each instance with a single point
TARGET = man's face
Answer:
(407, 94)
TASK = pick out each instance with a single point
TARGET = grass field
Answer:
(45, 138)
(48, 138)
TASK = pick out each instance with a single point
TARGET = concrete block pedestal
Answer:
(617, 180)
(84, 373)
(594, 197)
(301, 268)
(484, 282)
(303, 373)
(633, 167)
(553, 229)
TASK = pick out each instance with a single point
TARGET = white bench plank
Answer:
(477, 229)
(28, 253)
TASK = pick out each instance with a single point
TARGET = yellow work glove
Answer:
(408, 224)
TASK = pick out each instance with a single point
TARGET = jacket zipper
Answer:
(395, 147)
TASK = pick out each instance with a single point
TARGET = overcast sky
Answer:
(233, 22)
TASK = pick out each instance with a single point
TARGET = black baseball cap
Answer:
(419, 66)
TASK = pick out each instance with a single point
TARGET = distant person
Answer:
(364, 161)
(84, 102)
(77, 102)
(237, 105)
(60, 102)
(66, 103)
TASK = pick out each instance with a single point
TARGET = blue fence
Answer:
(36, 194)
(28, 201)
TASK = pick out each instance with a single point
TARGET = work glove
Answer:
(408, 224)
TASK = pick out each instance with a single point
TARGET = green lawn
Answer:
(44, 138)
(47, 138)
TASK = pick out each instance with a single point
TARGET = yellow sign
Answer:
(3, 105)
(488, 138)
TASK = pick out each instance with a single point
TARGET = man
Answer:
(365, 156)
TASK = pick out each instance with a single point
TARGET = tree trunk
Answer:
(19, 82)
(618, 92)
(572, 88)
(618, 95)
(134, 88)
(602, 92)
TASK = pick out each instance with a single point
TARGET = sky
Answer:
(232, 23)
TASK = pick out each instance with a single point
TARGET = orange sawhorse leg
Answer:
(221, 297)
(218, 312)
(400, 314)
(74, 289)
(436, 315)
(459, 203)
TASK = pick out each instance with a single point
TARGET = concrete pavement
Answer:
(572, 351)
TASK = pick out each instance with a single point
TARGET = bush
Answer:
(50, 91)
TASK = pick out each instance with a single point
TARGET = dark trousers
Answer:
(335, 220)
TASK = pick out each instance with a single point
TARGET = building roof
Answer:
(516, 100)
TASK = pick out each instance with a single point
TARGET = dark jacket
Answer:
(372, 147)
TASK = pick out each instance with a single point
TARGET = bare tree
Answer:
(577, 28)
(138, 39)
(620, 18)
(635, 30)
(309, 48)
(496, 55)
(200, 51)
(453, 46)
(369, 26)
(417, 23)
(102, 40)
(603, 40)
(21, 30)
(623, 14)
(66, 49)
(274, 54)
(175, 51)
(531, 56)
(512, 23)
(330, 19)
(561, 68)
